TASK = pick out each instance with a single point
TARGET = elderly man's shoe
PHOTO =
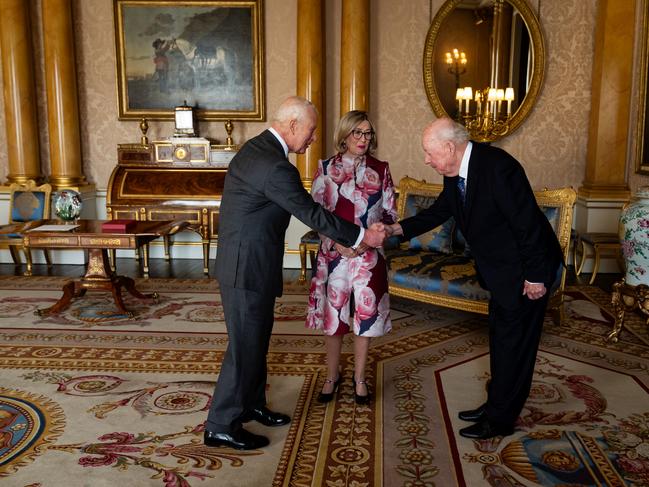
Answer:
(239, 439)
(474, 415)
(484, 430)
(266, 417)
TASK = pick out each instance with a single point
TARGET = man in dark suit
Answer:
(262, 190)
(517, 256)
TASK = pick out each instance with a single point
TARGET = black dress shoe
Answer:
(484, 430)
(361, 400)
(240, 439)
(474, 415)
(325, 397)
(266, 417)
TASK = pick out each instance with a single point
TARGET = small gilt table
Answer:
(99, 276)
(626, 298)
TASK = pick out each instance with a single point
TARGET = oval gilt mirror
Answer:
(493, 47)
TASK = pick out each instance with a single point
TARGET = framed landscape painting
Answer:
(206, 53)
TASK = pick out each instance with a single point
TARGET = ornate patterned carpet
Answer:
(92, 398)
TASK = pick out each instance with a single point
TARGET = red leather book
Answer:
(118, 225)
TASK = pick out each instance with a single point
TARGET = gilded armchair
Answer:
(27, 202)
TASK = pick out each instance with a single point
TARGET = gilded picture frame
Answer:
(208, 54)
(642, 127)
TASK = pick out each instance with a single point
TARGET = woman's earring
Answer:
(344, 145)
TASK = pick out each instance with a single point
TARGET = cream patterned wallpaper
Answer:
(551, 143)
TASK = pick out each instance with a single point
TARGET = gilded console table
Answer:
(627, 298)
(142, 189)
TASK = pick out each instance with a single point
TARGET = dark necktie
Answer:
(461, 187)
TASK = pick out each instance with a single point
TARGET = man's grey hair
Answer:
(452, 131)
(293, 108)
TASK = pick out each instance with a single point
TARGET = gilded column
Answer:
(310, 77)
(355, 56)
(19, 92)
(62, 103)
(611, 94)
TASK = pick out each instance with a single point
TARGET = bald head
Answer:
(444, 142)
(296, 120)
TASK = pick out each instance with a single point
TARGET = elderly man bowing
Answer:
(517, 256)
(262, 190)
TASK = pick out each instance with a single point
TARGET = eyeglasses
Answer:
(357, 134)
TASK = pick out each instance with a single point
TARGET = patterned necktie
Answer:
(461, 187)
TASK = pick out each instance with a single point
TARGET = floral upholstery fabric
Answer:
(448, 274)
(439, 239)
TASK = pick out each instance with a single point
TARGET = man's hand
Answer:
(534, 291)
(394, 229)
(346, 251)
(374, 235)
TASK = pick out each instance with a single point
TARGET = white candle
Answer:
(509, 96)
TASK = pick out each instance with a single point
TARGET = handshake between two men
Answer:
(374, 237)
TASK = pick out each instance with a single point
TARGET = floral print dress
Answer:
(360, 190)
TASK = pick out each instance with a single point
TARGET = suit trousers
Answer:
(241, 385)
(514, 337)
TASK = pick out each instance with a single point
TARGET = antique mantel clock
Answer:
(184, 121)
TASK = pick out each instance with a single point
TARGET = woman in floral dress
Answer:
(349, 292)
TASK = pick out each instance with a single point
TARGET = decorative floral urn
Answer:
(634, 237)
(67, 205)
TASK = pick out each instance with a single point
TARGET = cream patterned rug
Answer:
(92, 398)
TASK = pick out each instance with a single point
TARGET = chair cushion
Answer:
(310, 237)
(27, 206)
(447, 274)
(439, 239)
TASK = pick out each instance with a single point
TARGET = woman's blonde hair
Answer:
(347, 124)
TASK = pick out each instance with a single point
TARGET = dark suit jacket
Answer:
(510, 237)
(262, 190)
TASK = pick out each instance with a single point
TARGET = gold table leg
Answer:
(99, 277)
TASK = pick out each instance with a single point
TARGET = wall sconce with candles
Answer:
(456, 61)
(487, 122)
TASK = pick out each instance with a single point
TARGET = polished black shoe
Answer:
(474, 415)
(240, 440)
(361, 400)
(325, 397)
(484, 430)
(266, 417)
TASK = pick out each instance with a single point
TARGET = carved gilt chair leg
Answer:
(48, 259)
(167, 244)
(15, 256)
(112, 259)
(28, 257)
(582, 246)
(302, 277)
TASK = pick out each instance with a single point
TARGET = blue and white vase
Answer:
(634, 237)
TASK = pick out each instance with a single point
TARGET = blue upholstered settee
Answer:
(437, 267)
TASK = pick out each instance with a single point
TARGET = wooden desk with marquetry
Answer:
(145, 190)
